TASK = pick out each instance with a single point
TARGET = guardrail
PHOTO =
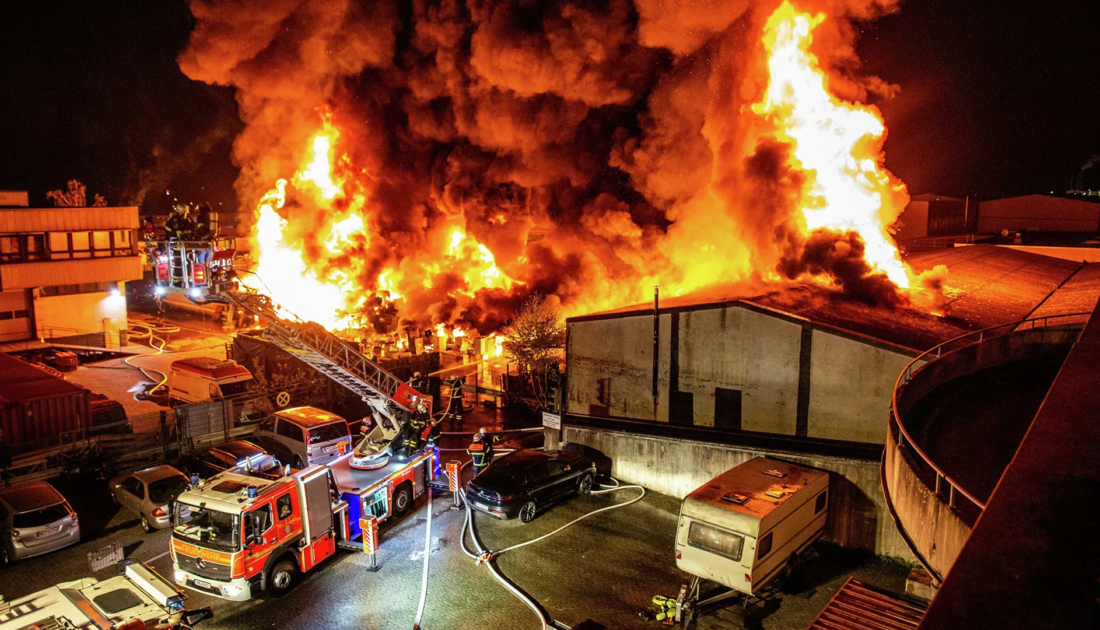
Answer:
(943, 482)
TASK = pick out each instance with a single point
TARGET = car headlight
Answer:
(231, 590)
(181, 577)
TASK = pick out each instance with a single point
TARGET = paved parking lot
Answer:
(605, 568)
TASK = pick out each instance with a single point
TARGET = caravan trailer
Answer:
(746, 526)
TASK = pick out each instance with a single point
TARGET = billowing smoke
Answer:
(594, 148)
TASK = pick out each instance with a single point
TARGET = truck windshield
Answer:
(328, 432)
(206, 527)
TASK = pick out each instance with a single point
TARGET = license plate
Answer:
(328, 449)
(201, 584)
(48, 532)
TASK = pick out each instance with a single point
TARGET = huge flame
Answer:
(837, 144)
(326, 250)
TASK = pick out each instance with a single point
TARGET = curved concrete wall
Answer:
(935, 531)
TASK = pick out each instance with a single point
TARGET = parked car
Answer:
(239, 456)
(302, 436)
(524, 482)
(149, 493)
(34, 519)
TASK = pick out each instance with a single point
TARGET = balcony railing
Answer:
(946, 488)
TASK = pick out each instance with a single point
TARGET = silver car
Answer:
(148, 494)
(34, 519)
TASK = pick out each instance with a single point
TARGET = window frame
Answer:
(704, 525)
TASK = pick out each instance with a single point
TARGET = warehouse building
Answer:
(62, 273)
(1040, 213)
(802, 361)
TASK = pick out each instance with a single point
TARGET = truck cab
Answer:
(235, 536)
(302, 436)
(202, 379)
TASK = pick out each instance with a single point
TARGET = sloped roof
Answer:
(21, 381)
(986, 286)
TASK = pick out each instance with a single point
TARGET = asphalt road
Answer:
(606, 568)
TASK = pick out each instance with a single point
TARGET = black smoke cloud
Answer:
(616, 128)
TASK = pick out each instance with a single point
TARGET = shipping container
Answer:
(38, 409)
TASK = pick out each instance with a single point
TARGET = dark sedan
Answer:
(238, 456)
(524, 482)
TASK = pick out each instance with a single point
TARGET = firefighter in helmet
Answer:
(476, 451)
(177, 224)
(415, 427)
(488, 441)
(454, 406)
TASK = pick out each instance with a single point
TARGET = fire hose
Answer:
(489, 557)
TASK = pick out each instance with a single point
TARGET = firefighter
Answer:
(488, 441)
(203, 229)
(176, 224)
(454, 406)
(416, 382)
(416, 425)
(476, 451)
(431, 436)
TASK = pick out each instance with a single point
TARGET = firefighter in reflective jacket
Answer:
(454, 406)
(477, 452)
(488, 441)
(415, 428)
(430, 434)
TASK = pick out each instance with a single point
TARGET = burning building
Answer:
(437, 163)
(803, 361)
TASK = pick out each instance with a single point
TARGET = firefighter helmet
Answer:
(477, 438)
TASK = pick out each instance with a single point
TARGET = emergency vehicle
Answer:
(200, 379)
(236, 536)
(137, 599)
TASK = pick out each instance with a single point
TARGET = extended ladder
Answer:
(311, 344)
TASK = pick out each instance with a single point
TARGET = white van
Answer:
(748, 525)
(201, 379)
(303, 436)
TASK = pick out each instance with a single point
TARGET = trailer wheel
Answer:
(402, 499)
(527, 511)
(784, 580)
(585, 486)
(282, 578)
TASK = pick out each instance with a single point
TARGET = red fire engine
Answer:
(236, 536)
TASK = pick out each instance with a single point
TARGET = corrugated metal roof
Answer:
(857, 606)
(20, 381)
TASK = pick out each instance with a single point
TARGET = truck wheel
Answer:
(145, 526)
(584, 488)
(282, 578)
(298, 463)
(402, 499)
(527, 511)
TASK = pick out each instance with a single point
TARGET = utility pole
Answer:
(656, 341)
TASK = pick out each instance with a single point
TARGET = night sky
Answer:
(996, 99)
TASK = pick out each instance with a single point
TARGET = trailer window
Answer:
(821, 499)
(712, 539)
(764, 547)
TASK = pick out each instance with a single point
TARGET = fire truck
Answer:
(236, 536)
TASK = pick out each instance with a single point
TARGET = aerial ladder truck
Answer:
(237, 535)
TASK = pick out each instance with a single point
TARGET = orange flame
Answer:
(837, 144)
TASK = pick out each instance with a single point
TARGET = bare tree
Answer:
(75, 197)
(534, 340)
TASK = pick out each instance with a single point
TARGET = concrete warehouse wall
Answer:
(71, 315)
(839, 386)
(618, 352)
(851, 384)
(858, 516)
(736, 348)
(1038, 212)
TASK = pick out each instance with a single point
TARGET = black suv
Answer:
(523, 482)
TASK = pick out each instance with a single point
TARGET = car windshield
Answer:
(206, 527)
(40, 517)
(328, 432)
(231, 389)
(164, 490)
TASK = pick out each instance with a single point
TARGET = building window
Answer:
(99, 244)
(10, 250)
(74, 289)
